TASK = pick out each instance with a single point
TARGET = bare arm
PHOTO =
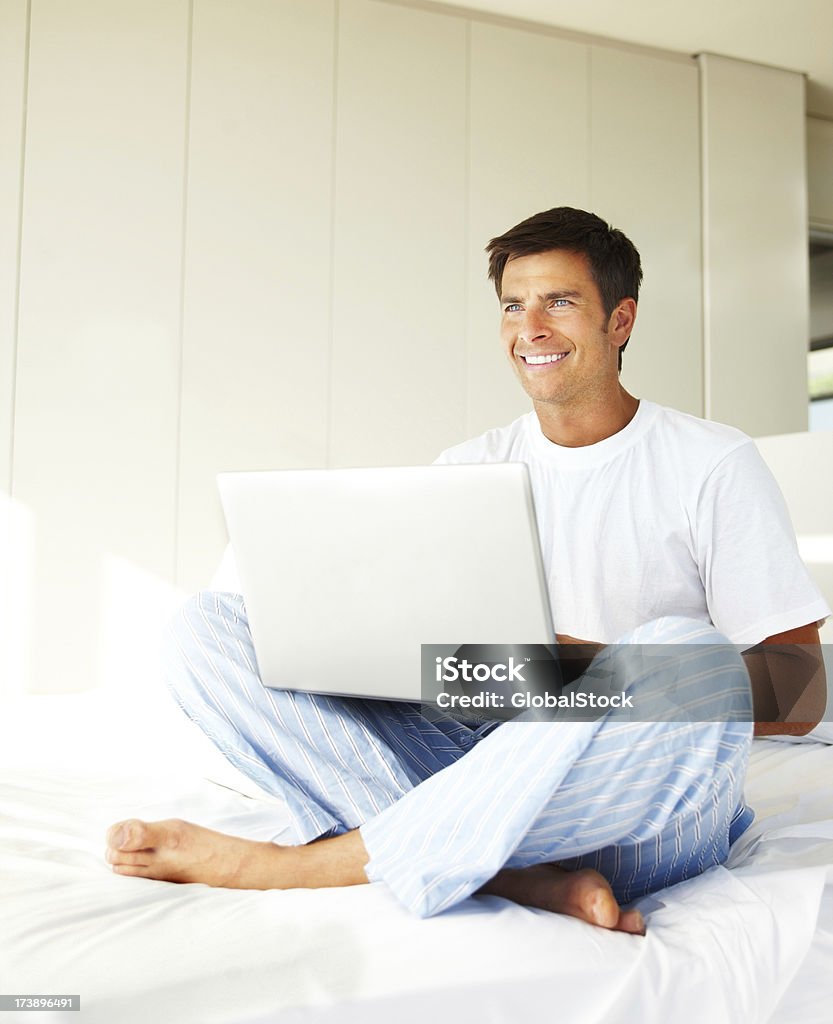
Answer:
(789, 687)
(786, 670)
(574, 655)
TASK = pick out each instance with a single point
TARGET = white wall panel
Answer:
(257, 262)
(98, 351)
(645, 179)
(820, 172)
(398, 386)
(13, 598)
(755, 245)
(13, 18)
(528, 152)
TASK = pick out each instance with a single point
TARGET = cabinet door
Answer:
(528, 152)
(645, 179)
(397, 381)
(13, 543)
(98, 345)
(755, 238)
(255, 361)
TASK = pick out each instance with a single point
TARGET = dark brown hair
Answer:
(613, 258)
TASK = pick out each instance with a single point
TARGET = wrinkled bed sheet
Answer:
(749, 942)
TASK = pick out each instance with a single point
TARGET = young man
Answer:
(656, 528)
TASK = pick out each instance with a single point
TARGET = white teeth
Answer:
(535, 360)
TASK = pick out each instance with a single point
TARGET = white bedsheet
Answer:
(754, 943)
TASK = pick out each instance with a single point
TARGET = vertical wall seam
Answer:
(330, 386)
(24, 117)
(467, 240)
(588, 85)
(182, 277)
(802, 156)
(705, 296)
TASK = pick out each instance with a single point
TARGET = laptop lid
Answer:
(346, 573)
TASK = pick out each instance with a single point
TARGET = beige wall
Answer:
(755, 245)
(252, 237)
(13, 592)
(820, 172)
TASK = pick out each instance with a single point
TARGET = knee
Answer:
(202, 611)
(195, 629)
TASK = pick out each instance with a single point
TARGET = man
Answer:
(656, 528)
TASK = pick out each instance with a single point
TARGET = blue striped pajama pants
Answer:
(442, 806)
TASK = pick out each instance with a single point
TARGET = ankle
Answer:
(337, 861)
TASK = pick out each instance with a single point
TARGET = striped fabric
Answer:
(443, 806)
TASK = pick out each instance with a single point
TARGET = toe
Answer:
(603, 909)
(123, 857)
(115, 835)
(128, 835)
(134, 870)
(631, 921)
(593, 898)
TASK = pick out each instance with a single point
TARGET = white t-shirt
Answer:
(673, 515)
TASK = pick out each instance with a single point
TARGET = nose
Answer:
(533, 327)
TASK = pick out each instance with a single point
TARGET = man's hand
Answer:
(789, 687)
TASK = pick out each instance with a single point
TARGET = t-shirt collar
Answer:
(592, 454)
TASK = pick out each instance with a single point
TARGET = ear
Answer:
(621, 322)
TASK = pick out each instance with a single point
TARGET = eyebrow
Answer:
(564, 293)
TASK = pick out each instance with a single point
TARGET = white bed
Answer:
(750, 943)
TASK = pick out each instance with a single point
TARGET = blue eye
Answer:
(512, 307)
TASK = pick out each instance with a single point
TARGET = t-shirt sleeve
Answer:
(755, 581)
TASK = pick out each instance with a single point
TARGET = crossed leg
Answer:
(420, 802)
(178, 851)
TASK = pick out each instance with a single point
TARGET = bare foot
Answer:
(584, 894)
(177, 851)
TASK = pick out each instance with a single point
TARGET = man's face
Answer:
(554, 329)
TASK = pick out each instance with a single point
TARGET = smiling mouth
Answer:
(544, 360)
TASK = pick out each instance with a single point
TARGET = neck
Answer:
(575, 427)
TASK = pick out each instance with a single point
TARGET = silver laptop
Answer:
(346, 573)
